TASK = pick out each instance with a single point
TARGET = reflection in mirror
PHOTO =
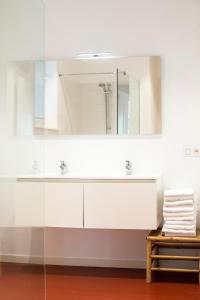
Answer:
(128, 104)
(90, 102)
(76, 96)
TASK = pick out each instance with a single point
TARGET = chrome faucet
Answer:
(63, 167)
(128, 167)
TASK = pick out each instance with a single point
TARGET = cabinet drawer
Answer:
(121, 205)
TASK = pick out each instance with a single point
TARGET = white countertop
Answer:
(91, 176)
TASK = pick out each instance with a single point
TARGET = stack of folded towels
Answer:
(179, 212)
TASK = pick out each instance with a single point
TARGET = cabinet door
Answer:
(7, 203)
(29, 204)
(120, 205)
(64, 205)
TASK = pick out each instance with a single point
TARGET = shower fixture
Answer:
(107, 89)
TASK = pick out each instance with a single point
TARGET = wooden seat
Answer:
(156, 240)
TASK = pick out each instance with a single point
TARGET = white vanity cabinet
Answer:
(29, 204)
(64, 204)
(104, 203)
(128, 205)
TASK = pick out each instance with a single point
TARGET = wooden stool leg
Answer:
(148, 266)
(199, 271)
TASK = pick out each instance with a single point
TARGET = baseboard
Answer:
(74, 261)
(96, 262)
(22, 259)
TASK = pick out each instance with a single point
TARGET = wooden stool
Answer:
(155, 240)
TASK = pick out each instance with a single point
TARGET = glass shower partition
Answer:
(128, 104)
(22, 268)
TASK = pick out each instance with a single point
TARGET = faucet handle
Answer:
(128, 164)
(128, 167)
(62, 162)
(63, 167)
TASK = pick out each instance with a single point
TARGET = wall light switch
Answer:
(187, 152)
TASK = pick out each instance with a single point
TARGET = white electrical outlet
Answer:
(196, 152)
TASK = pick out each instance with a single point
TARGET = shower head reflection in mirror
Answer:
(107, 91)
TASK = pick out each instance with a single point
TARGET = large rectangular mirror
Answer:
(86, 96)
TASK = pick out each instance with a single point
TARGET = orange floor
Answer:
(19, 282)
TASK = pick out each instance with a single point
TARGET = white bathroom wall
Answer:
(170, 29)
(21, 38)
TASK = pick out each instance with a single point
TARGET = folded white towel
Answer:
(179, 192)
(180, 222)
(178, 203)
(181, 218)
(177, 198)
(180, 234)
(177, 227)
(178, 209)
(179, 230)
(179, 214)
